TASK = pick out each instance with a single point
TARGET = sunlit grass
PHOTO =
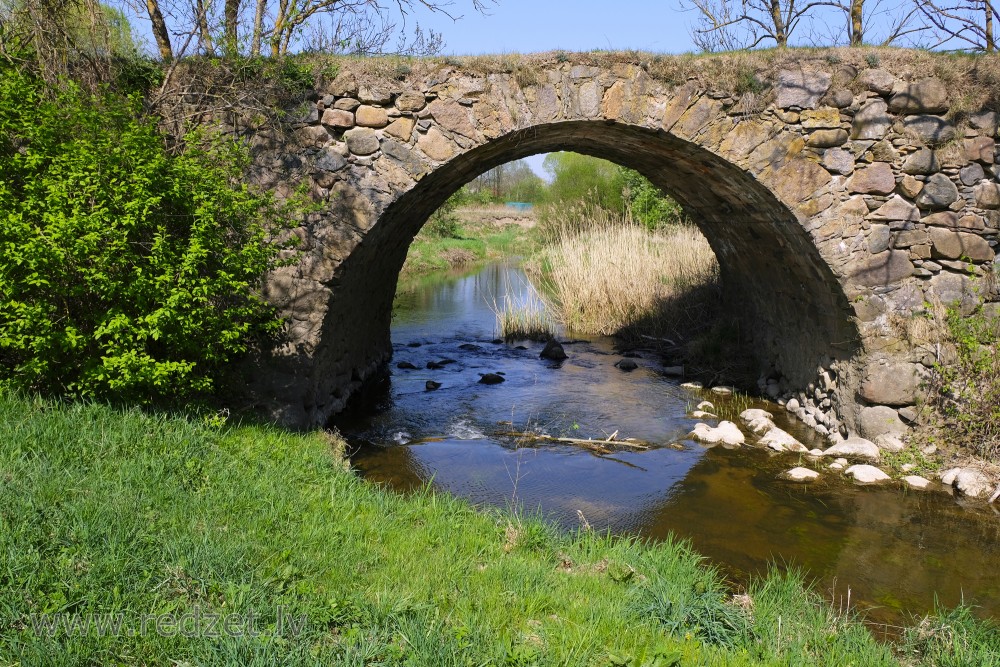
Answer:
(107, 510)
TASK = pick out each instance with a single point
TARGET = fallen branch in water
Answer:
(602, 446)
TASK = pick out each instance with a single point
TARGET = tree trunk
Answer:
(991, 44)
(258, 27)
(160, 30)
(232, 16)
(857, 25)
(779, 24)
(201, 18)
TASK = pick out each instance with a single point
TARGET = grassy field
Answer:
(478, 235)
(128, 539)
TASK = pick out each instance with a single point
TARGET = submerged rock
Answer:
(627, 365)
(799, 474)
(726, 433)
(866, 474)
(491, 378)
(553, 350)
(431, 385)
(406, 366)
(917, 482)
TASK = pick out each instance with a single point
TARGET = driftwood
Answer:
(600, 446)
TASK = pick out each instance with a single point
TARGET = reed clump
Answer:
(608, 274)
(524, 318)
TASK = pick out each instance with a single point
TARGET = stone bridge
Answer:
(838, 198)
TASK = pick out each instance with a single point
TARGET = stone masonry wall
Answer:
(839, 201)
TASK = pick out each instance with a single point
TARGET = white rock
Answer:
(692, 385)
(799, 475)
(836, 466)
(761, 425)
(841, 461)
(856, 447)
(782, 441)
(917, 482)
(705, 405)
(792, 405)
(753, 414)
(815, 452)
(726, 433)
(973, 483)
(928, 450)
(866, 474)
(890, 442)
(907, 467)
(948, 476)
(722, 391)
(701, 414)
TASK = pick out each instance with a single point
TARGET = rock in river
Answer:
(491, 378)
(854, 447)
(726, 433)
(799, 474)
(626, 365)
(406, 366)
(866, 474)
(553, 350)
(431, 385)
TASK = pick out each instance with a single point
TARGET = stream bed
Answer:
(894, 549)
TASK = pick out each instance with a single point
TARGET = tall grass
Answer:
(522, 314)
(609, 274)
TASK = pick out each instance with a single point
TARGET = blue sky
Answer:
(525, 26)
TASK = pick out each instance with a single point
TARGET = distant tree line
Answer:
(727, 25)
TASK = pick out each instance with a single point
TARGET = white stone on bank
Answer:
(917, 482)
(854, 446)
(799, 474)
(866, 474)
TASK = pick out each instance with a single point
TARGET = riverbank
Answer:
(159, 521)
(472, 235)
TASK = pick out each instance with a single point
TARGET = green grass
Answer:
(473, 243)
(105, 510)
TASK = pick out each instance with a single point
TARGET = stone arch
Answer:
(831, 211)
(788, 297)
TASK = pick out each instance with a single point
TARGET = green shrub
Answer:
(966, 394)
(125, 271)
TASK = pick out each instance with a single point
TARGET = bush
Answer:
(126, 271)
(966, 394)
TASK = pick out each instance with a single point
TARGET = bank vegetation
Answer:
(115, 516)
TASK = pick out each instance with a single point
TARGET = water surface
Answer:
(894, 549)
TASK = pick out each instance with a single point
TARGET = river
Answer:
(893, 549)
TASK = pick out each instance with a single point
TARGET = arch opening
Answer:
(784, 295)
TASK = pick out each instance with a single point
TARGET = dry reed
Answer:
(608, 274)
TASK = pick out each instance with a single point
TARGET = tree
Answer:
(577, 177)
(341, 26)
(967, 23)
(512, 181)
(729, 25)
(726, 25)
